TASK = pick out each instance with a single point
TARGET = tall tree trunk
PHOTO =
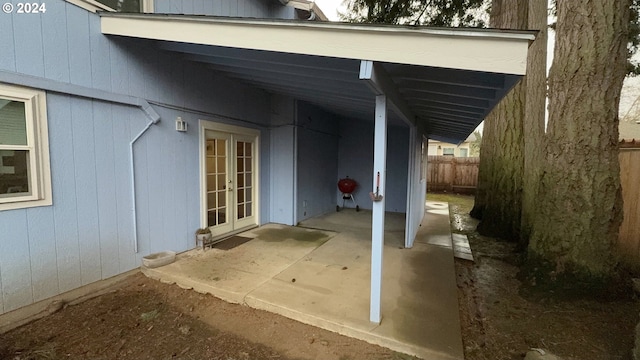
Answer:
(534, 116)
(499, 198)
(579, 212)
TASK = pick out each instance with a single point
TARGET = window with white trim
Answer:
(448, 151)
(25, 179)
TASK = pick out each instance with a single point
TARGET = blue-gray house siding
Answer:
(87, 234)
(234, 8)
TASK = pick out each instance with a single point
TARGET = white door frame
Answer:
(205, 125)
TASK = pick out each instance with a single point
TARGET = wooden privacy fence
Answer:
(456, 174)
(629, 240)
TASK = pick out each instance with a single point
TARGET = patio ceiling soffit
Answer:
(443, 80)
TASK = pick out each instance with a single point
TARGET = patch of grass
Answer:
(464, 202)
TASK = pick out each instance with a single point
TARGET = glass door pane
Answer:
(244, 173)
(216, 160)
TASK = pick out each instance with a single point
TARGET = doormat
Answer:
(230, 243)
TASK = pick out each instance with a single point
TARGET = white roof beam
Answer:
(381, 84)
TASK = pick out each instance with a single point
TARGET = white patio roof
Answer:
(445, 80)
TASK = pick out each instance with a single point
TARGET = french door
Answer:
(230, 168)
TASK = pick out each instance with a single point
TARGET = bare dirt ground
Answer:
(145, 319)
(498, 322)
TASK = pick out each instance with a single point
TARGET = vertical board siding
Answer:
(122, 177)
(240, 8)
(100, 56)
(187, 7)
(14, 250)
(28, 43)
(167, 154)
(42, 249)
(54, 37)
(176, 7)
(282, 166)
(86, 191)
(64, 193)
(154, 187)
(265, 175)
(356, 161)
(105, 173)
(317, 161)
(417, 191)
(397, 168)
(87, 234)
(7, 44)
(162, 6)
(119, 59)
(79, 46)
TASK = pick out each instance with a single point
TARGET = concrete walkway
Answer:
(322, 278)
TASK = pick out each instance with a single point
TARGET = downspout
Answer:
(154, 118)
(93, 94)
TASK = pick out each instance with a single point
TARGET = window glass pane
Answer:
(240, 211)
(211, 200)
(211, 147)
(13, 124)
(222, 147)
(211, 183)
(222, 165)
(211, 218)
(222, 216)
(222, 199)
(240, 196)
(240, 180)
(247, 164)
(240, 148)
(248, 207)
(448, 151)
(122, 5)
(14, 173)
(240, 165)
(211, 165)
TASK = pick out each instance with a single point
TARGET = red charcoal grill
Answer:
(347, 187)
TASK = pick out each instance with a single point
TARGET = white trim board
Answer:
(478, 50)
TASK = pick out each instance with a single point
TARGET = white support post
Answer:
(377, 226)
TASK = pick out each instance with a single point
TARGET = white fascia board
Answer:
(489, 51)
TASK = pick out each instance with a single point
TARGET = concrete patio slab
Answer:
(230, 275)
(325, 280)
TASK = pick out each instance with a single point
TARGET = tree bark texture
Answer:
(499, 197)
(579, 211)
(534, 116)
